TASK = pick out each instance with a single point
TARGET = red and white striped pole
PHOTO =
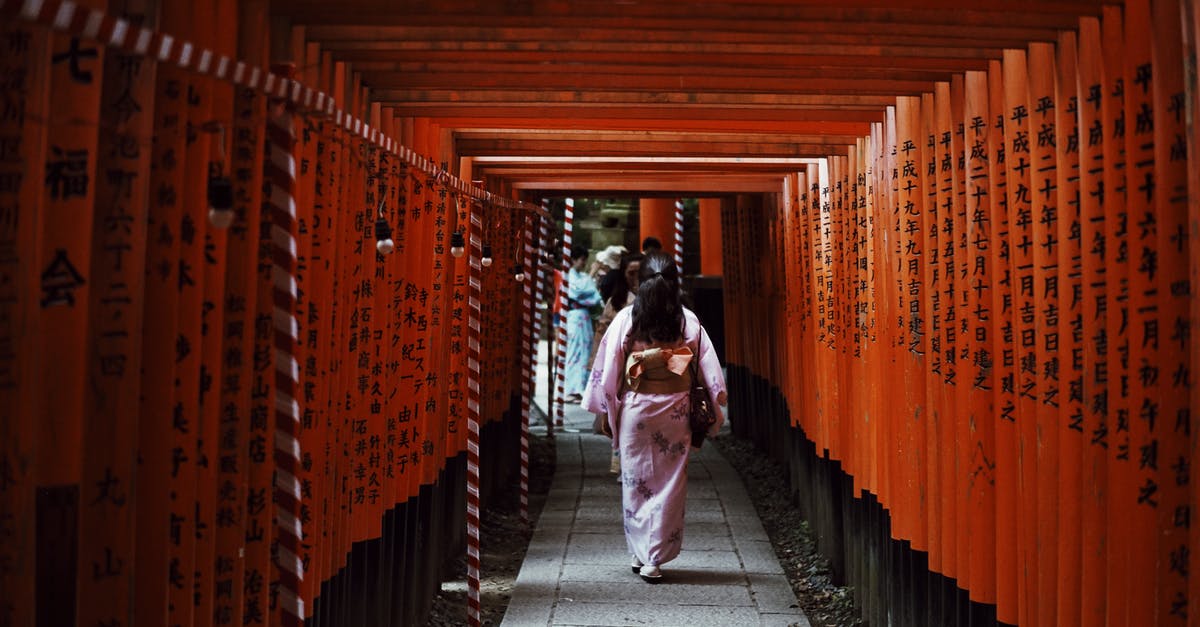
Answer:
(528, 315)
(679, 237)
(473, 396)
(280, 170)
(568, 228)
(544, 281)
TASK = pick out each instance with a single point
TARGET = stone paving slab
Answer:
(662, 614)
(576, 571)
(634, 590)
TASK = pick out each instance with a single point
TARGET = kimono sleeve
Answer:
(603, 390)
(581, 288)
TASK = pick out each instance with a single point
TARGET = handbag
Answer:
(701, 416)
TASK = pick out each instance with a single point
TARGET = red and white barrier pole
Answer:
(544, 281)
(679, 236)
(568, 227)
(528, 358)
(280, 170)
(473, 396)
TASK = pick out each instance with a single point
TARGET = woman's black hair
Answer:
(657, 314)
(620, 286)
(577, 251)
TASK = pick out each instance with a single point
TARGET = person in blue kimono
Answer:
(582, 296)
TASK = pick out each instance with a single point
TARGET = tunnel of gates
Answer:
(969, 336)
(258, 424)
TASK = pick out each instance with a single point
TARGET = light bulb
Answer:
(518, 273)
(457, 245)
(486, 261)
(383, 237)
(487, 255)
(220, 218)
(220, 201)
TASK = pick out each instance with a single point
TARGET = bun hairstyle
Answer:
(578, 250)
(657, 312)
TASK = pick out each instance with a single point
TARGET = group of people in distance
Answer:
(636, 381)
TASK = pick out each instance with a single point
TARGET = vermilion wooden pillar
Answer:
(63, 235)
(1093, 495)
(20, 306)
(658, 220)
(160, 333)
(107, 541)
(711, 260)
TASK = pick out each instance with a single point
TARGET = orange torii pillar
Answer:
(657, 219)
(710, 237)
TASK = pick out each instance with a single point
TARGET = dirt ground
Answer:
(506, 539)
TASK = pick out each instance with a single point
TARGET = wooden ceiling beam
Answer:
(660, 97)
(426, 76)
(507, 147)
(688, 84)
(647, 136)
(752, 126)
(515, 173)
(683, 185)
(1033, 13)
(520, 96)
(670, 112)
(624, 62)
(947, 46)
(549, 28)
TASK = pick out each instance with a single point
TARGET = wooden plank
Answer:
(601, 78)
(527, 105)
(740, 15)
(107, 542)
(958, 337)
(983, 214)
(222, 39)
(506, 147)
(1140, 492)
(1190, 18)
(63, 256)
(1048, 366)
(1007, 515)
(614, 29)
(437, 59)
(1024, 340)
(1116, 439)
(1071, 292)
(688, 123)
(186, 435)
(1093, 507)
(160, 333)
(910, 509)
(22, 185)
(929, 327)
(1172, 439)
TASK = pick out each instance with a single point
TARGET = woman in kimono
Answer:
(640, 382)
(581, 297)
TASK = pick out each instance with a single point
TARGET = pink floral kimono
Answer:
(644, 395)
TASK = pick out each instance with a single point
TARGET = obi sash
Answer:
(659, 370)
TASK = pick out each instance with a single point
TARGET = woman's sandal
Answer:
(636, 565)
(650, 574)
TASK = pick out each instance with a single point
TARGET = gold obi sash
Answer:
(659, 370)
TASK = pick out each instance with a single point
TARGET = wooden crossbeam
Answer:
(973, 12)
(487, 147)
